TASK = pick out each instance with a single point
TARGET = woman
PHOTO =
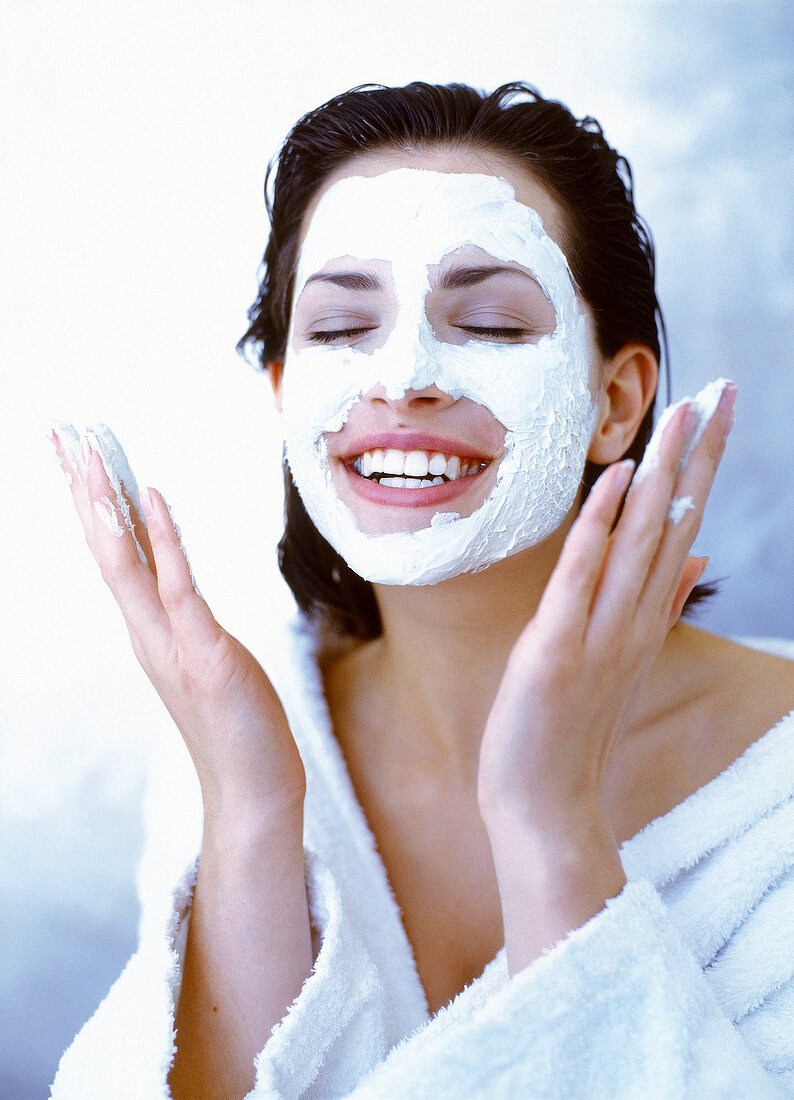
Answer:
(495, 730)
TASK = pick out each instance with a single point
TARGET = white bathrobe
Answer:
(683, 986)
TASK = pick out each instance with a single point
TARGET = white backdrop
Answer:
(132, 226)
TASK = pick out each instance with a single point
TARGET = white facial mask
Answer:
(538, 392)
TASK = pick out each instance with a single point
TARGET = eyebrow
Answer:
(458, 277)
(349, 280)
(452, 279)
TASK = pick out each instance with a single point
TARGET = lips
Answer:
(412, 471)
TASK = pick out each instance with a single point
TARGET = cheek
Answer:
(485, 427)
(319, 389)
(522, 387)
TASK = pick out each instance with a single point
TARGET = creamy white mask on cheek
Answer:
(538, 392)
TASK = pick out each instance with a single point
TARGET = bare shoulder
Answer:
(734, 693)
(756, 685)
(710, 700)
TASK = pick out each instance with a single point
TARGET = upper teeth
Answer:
(415, 464)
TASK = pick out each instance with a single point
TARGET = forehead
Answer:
(452, 160)
(414, 217)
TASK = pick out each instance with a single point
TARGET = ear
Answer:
(275, 371)
(628, 386)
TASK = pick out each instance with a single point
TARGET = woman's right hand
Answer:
(249, 947)
(218, 695)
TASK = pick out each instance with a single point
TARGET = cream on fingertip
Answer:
(69, 440)
(120, 476)
(78, 445)
(116, 464)
(704, 404)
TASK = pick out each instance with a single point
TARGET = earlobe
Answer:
(628, 387)
(275, 371)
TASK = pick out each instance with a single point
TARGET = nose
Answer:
(431, 398)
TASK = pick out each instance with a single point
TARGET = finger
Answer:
(639, 532)
(694, 568)
(690, 495)
(72, 450)
(116, 500)
(569, 593)
(67, 444)
(112, 543)
(190, 617)
(141, 531)
(61, 455)
(124, 484)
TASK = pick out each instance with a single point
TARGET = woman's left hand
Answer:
(565, 696)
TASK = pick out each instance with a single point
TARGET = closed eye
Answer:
(342, 335)
(498, 332)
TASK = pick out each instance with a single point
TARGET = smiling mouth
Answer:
(415, 469)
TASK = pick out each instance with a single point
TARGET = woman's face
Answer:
(436, 398)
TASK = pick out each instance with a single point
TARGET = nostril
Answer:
(429, 397)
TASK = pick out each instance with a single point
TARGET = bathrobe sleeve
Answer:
(619, 1009)
(125, 1051)
(329, 1039)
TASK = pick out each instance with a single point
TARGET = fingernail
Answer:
(146, 502)
(627, 468)
(705, 562)
(728, 399)
(617, 473)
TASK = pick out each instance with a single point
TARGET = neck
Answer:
(444, 646)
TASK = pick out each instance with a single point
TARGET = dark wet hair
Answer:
(607, 245)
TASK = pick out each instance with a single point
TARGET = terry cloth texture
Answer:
(682, 987)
